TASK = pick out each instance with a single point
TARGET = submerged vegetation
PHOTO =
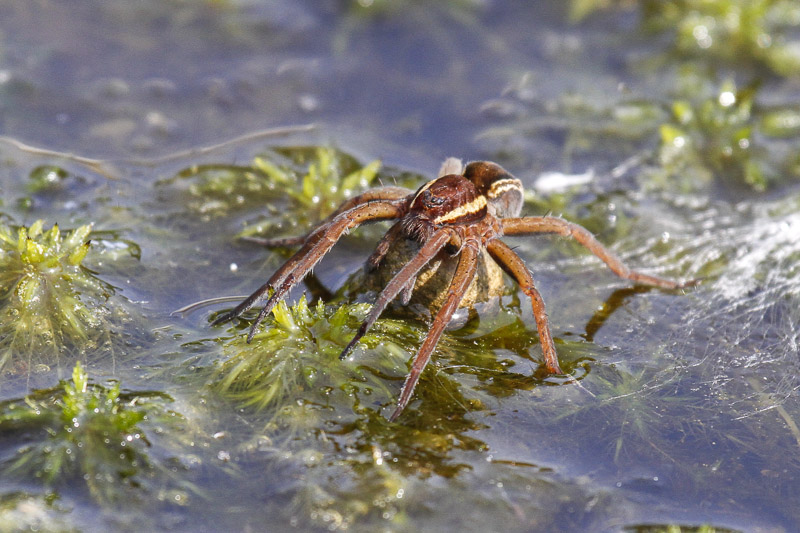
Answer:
(294, 360)
(284, 191)
(82, 432)
(718, 123)
(49, 301)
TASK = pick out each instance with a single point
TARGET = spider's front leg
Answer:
(547, 224)
(465, 272)
(381, 194)
(400, 282)
(315, 247)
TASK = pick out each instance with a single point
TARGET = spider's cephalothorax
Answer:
(462, 213)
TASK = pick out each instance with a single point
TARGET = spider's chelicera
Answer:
(462, 213)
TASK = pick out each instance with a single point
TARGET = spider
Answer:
(461, 214)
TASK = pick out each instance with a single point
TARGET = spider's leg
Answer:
(525, 225)
(406, 292)
(386, 242)
(313, 250)
(382, 194)
(515, 267)
(399, 282)
(465, 272)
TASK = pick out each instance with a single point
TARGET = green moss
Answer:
(740, 33)
(327, 179)
(84, 433)
(581, 9)
(293, 362)
(48, 300)
(746, 34)
(284, 191)
(713, 136)
(20, 511)
(47, 178)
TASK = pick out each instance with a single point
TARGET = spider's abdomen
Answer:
(501, 189)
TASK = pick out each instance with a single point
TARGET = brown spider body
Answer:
(460, 215)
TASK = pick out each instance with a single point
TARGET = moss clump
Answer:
(326, 180)
(20, 511)
(713, 135)
(283, 191)
(751, 34)
(294, 361)
(48, 300)
(80, 432)
(676, 528)
(743, 33)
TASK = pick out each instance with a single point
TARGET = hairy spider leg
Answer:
(513, 265)
(527, 225)
(400, 281)
(384, 245)
(309, 255)
(465, 273)
(383, 194)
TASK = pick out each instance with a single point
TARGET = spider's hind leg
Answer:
(383, 247)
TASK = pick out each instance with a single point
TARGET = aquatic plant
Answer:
(87, 433)
(708, 132)
(283, 190)
(294, 360)
(48, 300)
(751, 34)
(713, 135)
(325, 179)
(677, 528)
(21, 511)
(744, 33)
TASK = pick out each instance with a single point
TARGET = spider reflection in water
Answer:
(460, 215)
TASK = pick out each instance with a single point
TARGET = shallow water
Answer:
(133, 116)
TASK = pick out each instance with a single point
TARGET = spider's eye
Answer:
(433, 201)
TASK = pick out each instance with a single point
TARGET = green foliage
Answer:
(733, 32)
(48, 300)
(327, 179)
(283, 191)
(580, 9)
(84, 432)
(20, 511)
(294, 360)
(711, 130)
(47, 178)
(741, 33)
(713, 135)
